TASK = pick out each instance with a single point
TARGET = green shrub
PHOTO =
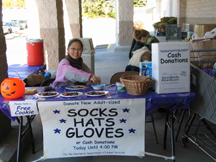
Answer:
(92, 15)
(162, 25)
(172, 20)
(165, 19)
(111, 14)
(84, 14)
(155, 25)
(102, 15)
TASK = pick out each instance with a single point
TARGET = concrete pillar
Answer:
(175, 8)
(74, 11)
(72, 19)
(52, 31)
(181, 11)
(158, 10)
(4, 120)
(3, 59)
(170, 8)
(125, 22)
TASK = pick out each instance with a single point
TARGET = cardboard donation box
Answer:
(171, 67)
(201, 29)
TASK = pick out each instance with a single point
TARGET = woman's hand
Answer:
(95, 79)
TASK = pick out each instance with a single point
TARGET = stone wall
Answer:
(52, 31)
(200, 11)
(125, 22)
(3, 59)
(181, 11)
(74, 11)
(4, 120)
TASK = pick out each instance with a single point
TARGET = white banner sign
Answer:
(23, 108)
(93, 127)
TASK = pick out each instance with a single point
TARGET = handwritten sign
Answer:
(93, 127)
(23, 108)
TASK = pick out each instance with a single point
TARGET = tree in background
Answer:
(13, 3)
(90, 8)
(97, 8)
(108, 7)
(103, 8)
(140, 3)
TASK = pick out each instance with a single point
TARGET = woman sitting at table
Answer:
(140, 49)
(142, 39)
(72, 70)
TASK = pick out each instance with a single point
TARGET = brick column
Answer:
(52, 31)
(200, 12)
(4, 120)
(125, 22)
(74, 11)
(3, 59)
(181, 12)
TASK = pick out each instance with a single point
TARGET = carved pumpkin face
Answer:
(12, 88)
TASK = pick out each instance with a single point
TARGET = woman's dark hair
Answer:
(75, 40)
(139, 33)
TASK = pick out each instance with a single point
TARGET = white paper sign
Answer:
(23, 108)
(93, 127)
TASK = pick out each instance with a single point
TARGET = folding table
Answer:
(153, 101)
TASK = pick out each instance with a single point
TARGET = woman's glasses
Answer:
(74, 49)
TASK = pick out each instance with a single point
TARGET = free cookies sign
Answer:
(23, 108)
(93, 127)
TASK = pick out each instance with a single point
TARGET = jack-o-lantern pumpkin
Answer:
(12, 88)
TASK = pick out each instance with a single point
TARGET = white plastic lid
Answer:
(31, 40)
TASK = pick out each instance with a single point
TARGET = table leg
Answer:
(31, 134)
(172, 136)
(19, 138)
(180, 124)
(189, 123)
(165, 129)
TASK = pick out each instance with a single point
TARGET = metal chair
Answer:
(116, 78)
(47, 82)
